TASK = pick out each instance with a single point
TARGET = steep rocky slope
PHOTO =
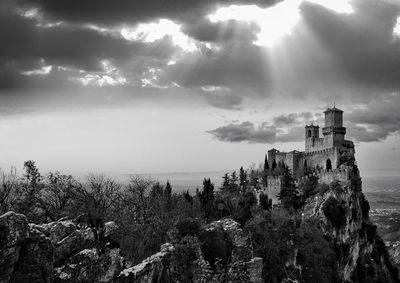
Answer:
(343, 212)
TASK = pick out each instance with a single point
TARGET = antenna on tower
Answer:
(334, 104)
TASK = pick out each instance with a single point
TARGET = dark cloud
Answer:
(377, 120)
(362, 43)
(292, 119)
(248, 132)
(121, 11)
(237, 67)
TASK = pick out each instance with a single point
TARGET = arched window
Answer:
(309, 133)
(305, 163)
(328, 165)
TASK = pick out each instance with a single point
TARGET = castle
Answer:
(327, 156)
(327, 152)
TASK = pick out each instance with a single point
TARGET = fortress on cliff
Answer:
(326, 153)
(328, 156)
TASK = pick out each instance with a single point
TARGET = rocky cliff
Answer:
(343, 212)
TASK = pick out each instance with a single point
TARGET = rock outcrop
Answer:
(162, 266)
(344, 216)
(61, 251)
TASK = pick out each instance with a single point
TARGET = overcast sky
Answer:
(186, 85)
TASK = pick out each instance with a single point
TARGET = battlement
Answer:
(319, 151)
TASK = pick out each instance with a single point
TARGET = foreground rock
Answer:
(168, 265)
(60, 251)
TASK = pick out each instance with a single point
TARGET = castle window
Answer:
(309, 133)
(328, 165)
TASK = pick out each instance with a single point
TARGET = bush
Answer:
(309, 186)
(322, 188)
(335, 212)
(216, 244)
(336, 187)
(188, 226)
(364, 207)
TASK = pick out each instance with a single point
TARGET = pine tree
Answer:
(242, 179)
(266, 164)
(273, 164)
(168, 194)
(234, 182)
(289, 196)
(206, 197)
(225, 183)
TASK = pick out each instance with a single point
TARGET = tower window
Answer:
(309, 133)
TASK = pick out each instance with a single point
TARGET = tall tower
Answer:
(334, 131)
(312, 134)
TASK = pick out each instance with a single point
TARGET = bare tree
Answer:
(96, 198)
(136, 197)
(56, 196)
(8, 185)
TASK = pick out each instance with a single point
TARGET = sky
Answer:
(145, 86)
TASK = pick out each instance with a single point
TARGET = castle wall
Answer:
(274, 184)
(315, 144)
(318, 158)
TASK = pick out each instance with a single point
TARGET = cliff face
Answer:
(344, 216)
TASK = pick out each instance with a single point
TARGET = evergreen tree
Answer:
(188, 197)
(243, 179)
(206, 198)
(28, 194)
(266, 164)
(234, 182)
(225, 183)
(289, 196)
(273, 164)
(253, 178)
(168, 196)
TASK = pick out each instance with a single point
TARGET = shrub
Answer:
(364, 207)
(215, 244)
(309, 186)
(335, 212)
(336, 187)
(322, 188)
(188, 226)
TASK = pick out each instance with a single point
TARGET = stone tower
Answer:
(334, 131)
(312, 135)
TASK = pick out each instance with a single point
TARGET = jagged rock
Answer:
(149, 270)
(13, 231)
(110, 228)
(73, 243)
(61, 229)
(35, 263)
(89, 265)
(73, 253)
(240, 239)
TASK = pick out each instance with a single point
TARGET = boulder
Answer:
(14, 230)
(89, 265)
